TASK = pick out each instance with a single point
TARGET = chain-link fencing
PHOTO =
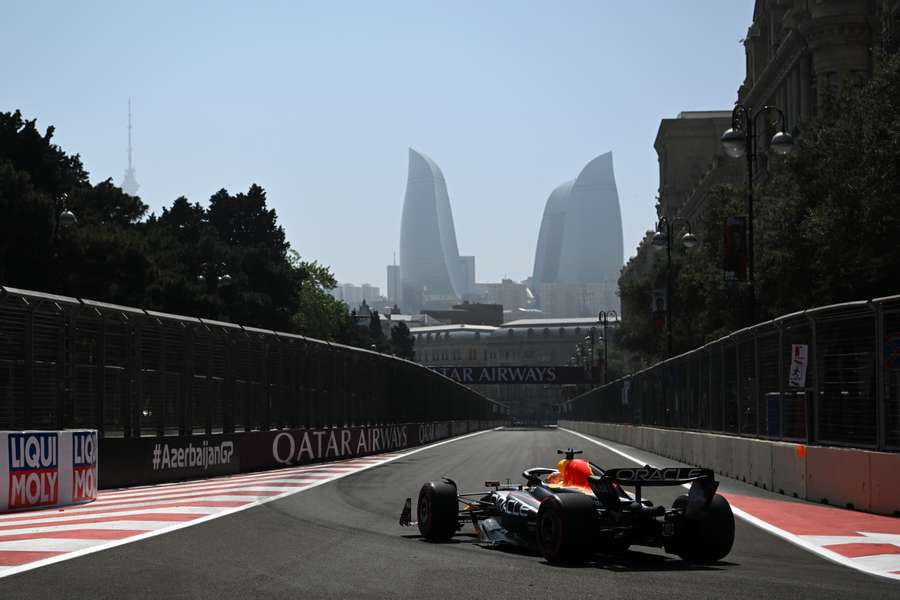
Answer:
(829, 375)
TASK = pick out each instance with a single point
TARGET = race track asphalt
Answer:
(342, 540)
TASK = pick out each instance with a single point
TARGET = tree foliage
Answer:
(101, 258)
(826, 228)
(402, 341)
(228, 260)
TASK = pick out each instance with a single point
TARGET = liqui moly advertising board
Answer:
(47, 468)
(84, 466)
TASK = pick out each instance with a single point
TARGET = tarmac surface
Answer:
(342, 540)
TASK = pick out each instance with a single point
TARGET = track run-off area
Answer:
(331, 531)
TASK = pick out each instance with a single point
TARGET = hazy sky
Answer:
(319, 101)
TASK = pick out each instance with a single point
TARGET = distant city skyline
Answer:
(318, 104)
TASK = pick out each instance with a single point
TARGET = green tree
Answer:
(826, 228)
(318, 314)
(230, 261)
(375, 331)
(100, 258)
(402, 341)
(828, 219)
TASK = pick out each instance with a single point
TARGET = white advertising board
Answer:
(40, 469)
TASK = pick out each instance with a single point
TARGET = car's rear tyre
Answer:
(709, 538)
(438, 511)
(565, 527)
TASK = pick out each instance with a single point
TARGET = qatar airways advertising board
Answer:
(47, 468)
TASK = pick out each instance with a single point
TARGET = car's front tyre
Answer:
(438, 511)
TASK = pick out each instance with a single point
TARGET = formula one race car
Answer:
(578, 509)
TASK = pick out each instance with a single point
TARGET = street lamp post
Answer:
(63, 218)
(215, 279)
(592, 340)
(603, 317)
(663, 239)
(741, 140)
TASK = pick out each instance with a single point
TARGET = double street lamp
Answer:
(741, 140)
(663, 239)
(209, 275)
(604, 317)
(590, 341)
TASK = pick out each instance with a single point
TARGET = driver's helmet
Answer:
(573, 473)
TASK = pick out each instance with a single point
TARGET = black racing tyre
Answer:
(708, 539)
(565, 527)
(438, 511)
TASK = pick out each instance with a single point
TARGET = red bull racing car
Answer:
(578, 509)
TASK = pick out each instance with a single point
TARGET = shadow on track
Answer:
(630, 561)
(516, 428)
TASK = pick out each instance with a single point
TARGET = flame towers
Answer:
(579, 250)
(432, 273)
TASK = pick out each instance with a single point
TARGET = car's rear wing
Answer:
(651, 476)
(703, 483)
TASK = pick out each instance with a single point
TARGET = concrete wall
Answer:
(849, 477)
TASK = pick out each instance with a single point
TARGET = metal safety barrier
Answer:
(128, 372)
(828, 375)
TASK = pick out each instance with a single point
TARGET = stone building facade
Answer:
(798, 52)
(689, 151)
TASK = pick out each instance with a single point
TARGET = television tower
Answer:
(129, 183)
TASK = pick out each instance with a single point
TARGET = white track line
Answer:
(227, 481)
(390, 457)
(777, 531)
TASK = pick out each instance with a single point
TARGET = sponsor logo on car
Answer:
(33, 469)
(651, 475)
(513, 506)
